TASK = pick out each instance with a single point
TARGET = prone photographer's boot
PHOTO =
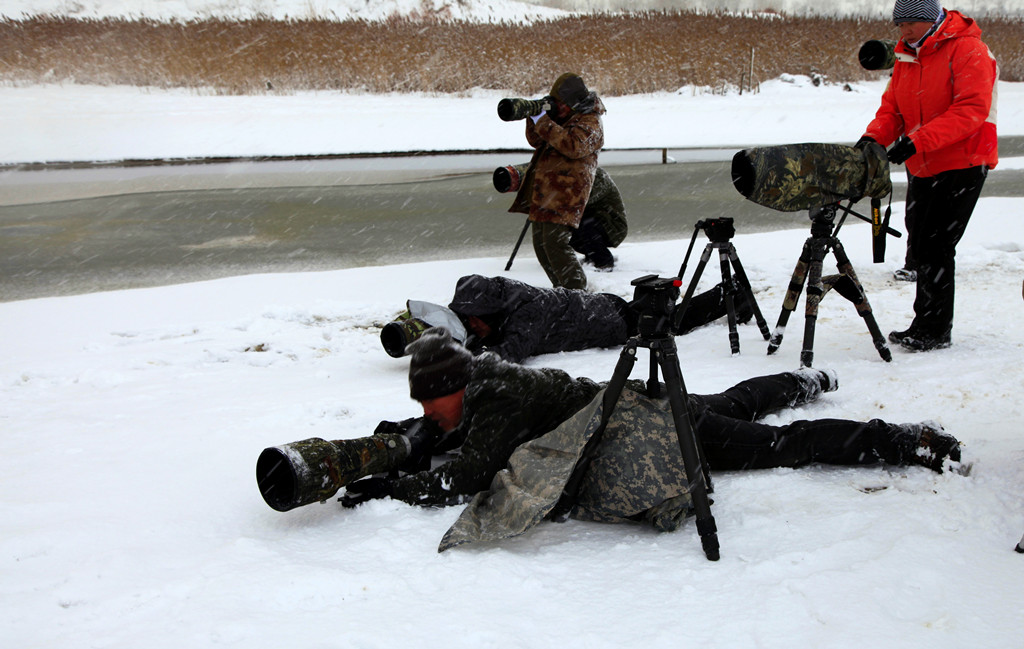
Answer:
(813, 382)
(926, 444)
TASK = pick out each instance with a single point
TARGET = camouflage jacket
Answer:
(637, 474)
(505, 405)
(528, 321)
(605, 205)
(561, 173)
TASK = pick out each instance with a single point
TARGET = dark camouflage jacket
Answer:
(505, 405)
(605, 205)
(561, 172)
(528, 321)
(636, 475)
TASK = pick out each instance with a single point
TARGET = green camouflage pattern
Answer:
(798, 177)
(638, 464)
(637, 474)
(313, 470)
(605, 205)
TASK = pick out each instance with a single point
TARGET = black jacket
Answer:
(528, 321)
(505, 405)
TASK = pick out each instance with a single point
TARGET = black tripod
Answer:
(824, 238)
(655, 298)
(720, 232)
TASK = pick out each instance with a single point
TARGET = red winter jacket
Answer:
(944, 99)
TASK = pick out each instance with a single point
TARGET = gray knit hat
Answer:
(916, 11)
(439, 366)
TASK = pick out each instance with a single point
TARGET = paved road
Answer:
(75, 231)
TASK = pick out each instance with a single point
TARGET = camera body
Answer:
(654, 300)
(717, 230)
(512, 109)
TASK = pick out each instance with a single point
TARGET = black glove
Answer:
(901, 151)
(366, 489)
(865, 141)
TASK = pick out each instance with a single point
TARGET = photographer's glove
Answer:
(864, 142)
(536, 118)
(901, 151)
(366, 489)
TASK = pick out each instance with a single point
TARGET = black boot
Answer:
(922, 342)
(926, 444)
(814, 381)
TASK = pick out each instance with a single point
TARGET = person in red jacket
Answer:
(939, 109)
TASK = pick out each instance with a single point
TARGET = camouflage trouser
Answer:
(551, 244)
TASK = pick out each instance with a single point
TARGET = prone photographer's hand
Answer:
(360, 491)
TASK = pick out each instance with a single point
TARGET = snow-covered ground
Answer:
(129, 514)
(130, 423)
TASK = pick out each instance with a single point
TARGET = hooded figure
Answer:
(522, 320)
(557, 186)
(516, 321)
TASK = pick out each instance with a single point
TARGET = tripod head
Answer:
(718, 230)
(823, 219)
(654, 300)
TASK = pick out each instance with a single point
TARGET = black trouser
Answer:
(732, 440)
(939, 208)
(590, 240)
(704, 308)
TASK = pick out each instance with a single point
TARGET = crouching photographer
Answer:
(603, 224)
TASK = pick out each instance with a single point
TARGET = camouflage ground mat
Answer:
(637, 475)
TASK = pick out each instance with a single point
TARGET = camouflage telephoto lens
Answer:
(794, 177)
(395, 336)
(514, 108)
(312, 470)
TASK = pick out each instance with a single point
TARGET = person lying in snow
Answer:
(488, 408)
(516, 320)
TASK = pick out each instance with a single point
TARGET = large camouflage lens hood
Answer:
(795, 177)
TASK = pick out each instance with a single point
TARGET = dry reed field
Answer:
(618, 54)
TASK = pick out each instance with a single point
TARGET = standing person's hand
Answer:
(902, 151)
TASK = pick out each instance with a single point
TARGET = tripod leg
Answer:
(748, 292)
(863, 306)
(677, 318)
(815, 291)
(796, 285)
(685, 431)
(730, 304)
(519, 242)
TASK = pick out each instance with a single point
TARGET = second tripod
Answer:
(824, 239)
(720, 232)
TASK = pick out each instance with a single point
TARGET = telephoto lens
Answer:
(877, 55)
(510, 178)
(514, 108)
(312, 470)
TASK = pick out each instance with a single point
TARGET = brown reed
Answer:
(618, 54)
